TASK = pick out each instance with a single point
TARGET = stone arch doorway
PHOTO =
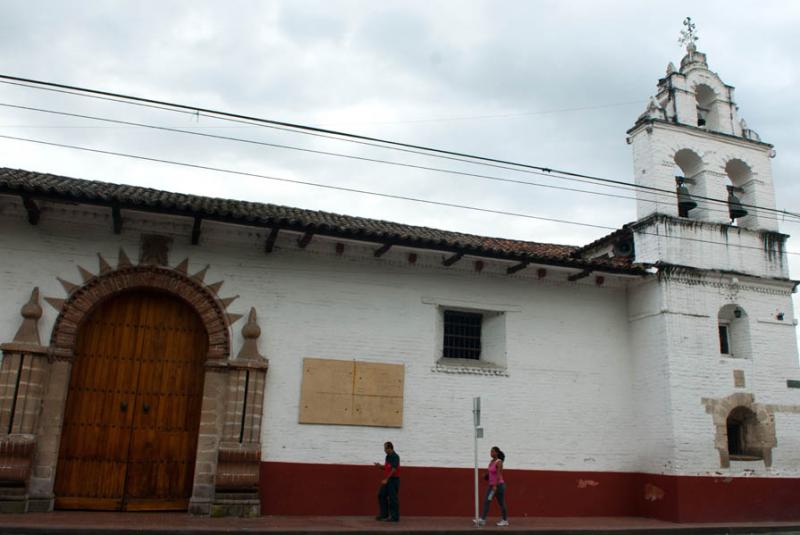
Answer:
(228, 449)
(129, 435)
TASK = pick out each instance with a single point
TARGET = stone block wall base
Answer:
(242, 504)
(13, 500)
(40, 505)
(199, 508)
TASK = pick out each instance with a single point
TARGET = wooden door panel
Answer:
(164, 437)
(134, 350)
(96, 430)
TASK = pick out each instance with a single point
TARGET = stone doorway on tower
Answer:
(743, 435)
(690, 184)
(743, 429)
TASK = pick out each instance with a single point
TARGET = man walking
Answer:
(388, 501)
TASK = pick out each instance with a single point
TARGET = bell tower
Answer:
(698, 162)
(713, 331)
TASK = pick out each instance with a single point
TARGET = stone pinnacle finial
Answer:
(251, 332)
(31, 311)
(689, 35)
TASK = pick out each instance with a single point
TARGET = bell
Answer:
(735, 208)
(685, 201)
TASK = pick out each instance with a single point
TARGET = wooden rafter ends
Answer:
(382, 250)
(452, 260)
(305, 239)
(357, 233)
(32, 208)
(577, 276)
(518, 267)
(270, 243)
(116, 216)
(197, 229)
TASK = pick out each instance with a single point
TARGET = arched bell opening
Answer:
(740, 192)
(707, 106)
(689, 184)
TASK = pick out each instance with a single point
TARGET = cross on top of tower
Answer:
(688, 35)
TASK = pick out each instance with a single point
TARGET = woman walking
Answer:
(497, 487)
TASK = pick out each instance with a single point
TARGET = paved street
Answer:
(180, 523)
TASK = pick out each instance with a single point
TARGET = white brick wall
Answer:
(709, 246)
(599, 377)
(677, 345)
(565, 404)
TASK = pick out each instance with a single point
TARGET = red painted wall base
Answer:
(324, 489)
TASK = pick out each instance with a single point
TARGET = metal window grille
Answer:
(462, 335)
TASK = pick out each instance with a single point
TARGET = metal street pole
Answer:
(476, 418)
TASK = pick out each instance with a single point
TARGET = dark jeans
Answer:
(500, 494)
(388, 501)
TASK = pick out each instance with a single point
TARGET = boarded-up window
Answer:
(351, 392)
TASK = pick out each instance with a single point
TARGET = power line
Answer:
(670, 195)
(303, 149)
(339, 135)
(503, 115)
(312, 151)
(367, 192)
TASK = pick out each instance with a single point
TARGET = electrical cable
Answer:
(367, 192)
(502, 115)
(431, 151)
(670, 196)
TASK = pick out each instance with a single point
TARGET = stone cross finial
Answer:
(31, 311)
(251, 331)
(689, 35)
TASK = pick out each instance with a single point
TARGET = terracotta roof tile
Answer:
(48, 186)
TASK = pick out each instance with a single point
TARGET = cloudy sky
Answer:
(550, 83)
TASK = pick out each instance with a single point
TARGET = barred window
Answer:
(462, 335)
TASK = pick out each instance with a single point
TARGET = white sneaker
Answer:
(503, 523)
(479, 522)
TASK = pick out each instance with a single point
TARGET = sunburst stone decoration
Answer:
(83, 297)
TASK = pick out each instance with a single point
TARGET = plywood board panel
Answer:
(326, 375)
(378, 411)
(352, 393)
(377, 379)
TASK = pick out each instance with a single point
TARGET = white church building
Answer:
(164, 351)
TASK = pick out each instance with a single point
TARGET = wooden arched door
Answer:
(129, 438)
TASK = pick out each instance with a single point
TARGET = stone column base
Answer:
(40, 505)
(199, 508)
